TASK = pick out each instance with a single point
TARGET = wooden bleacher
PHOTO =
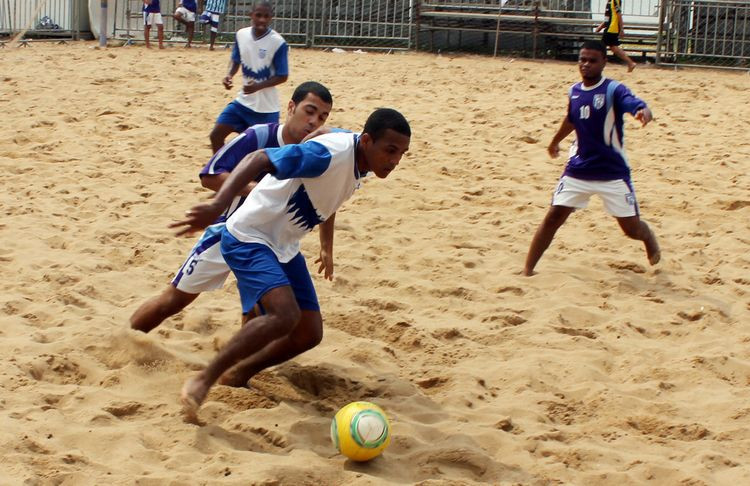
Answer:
(563, 30)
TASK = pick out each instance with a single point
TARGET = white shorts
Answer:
(617, 195)
(151, 18)
(205, 268)
(186, 14)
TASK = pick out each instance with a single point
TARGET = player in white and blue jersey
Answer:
(151, 16)
(185, 14)
(262, 53)
(205, 268)
(307, 184)
(598, 164)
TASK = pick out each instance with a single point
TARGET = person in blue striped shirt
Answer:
(306, 185)
(597, 164)
(205, 269)
(212, 12)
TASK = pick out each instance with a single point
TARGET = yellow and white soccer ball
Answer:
(360, 431)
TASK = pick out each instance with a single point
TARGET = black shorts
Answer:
(611, 39)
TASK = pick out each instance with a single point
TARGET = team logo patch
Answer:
(598, 101)
(630, 199)
(262, 53)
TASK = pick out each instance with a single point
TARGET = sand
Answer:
(600, 369)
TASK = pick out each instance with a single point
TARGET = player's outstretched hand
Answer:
(227, 82)
(644, 116)
(553, 150)
(197, 218)
(326, 265)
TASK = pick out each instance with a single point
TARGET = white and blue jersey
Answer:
(310, 183)
(230, 155)
(215, 6)
(260, 59)
(597, 114)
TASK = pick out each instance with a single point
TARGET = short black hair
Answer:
(383, 119)
(262, 3)
(595, 45)
(301, 92)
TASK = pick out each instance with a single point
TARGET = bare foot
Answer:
(528, 273)
(631, 66)
(193, 393)
(652, 249)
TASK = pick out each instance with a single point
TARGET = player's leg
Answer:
(619, 200)
(634, 227)
(160, 32)
(619, 52)
(190, 27)
(179, 15)
(556, 216)
(282, 315)
(570, 194)
(155, 310)
(260, 278)
(230, 120)
(147, 29)
(203, 270)
(306, 335)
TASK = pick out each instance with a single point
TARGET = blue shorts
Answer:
(258, 270)
(240, 118)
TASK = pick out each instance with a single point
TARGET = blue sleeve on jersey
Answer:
(307, 160)
(340, 130)
(236, 54)
(626, 101)
(229, 156)
(281, 60)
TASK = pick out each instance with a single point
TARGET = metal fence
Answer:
(43, 19)
(672, 32)
(706, 32)
(310, 23)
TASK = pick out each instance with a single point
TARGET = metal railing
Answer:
(672, 32)
(309, 23)
(706, 32)
(42, 19)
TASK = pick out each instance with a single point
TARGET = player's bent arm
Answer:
(566, 128)
(215, 181)
(231, 71)
(326, 234)
(272, 81)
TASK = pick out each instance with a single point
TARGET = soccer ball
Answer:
(360, 431)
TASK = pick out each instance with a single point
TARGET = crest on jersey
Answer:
(262, 53)
(598, 101)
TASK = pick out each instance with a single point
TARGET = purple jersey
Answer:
(230, 155)
(597, 112)
(153, 8)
